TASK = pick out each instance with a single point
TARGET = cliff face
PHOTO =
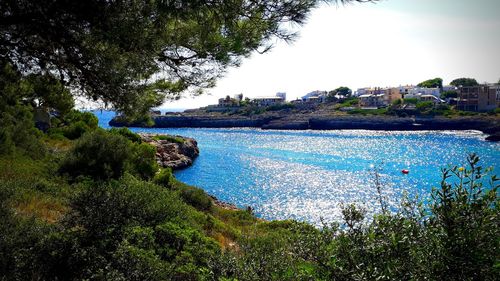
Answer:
(172, 154)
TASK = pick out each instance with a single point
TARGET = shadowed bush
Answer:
(98, 155)
(125, 132)
(196, 197)
(101, 155)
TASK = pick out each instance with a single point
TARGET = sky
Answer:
(389, 43)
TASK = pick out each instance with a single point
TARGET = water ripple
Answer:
(308, 175)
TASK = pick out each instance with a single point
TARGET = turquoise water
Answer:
(308, 175)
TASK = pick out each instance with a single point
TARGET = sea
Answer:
(310, 175)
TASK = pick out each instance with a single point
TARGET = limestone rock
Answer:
(173, 154)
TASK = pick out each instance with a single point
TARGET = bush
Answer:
(75, 130)
(88, 118)
(196, 198)
(103, 210)
(464, 224)
(98, 155)
(78, 123)
(169, 138)
(424, 106)
(18, 133)
(101, 155)
(410, 101)
(125, 132)
(449, 94)
(143, 160)
(164, 178)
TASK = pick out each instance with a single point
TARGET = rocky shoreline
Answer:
(176, 155)
(486, 124)
(172, 154)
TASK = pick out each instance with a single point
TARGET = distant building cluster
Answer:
(471, 98)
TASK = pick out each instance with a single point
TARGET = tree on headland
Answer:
(134, 54)
(342, 91)
(345, 91)
(432, 83)
(466, 82)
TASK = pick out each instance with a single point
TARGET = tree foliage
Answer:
(466, 82)
(432, 83)
(113, 50)
(449, 94)
(17, 130)
(343, 91)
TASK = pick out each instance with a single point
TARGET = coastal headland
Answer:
(487, 124)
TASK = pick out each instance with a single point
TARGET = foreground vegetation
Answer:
(93, 205)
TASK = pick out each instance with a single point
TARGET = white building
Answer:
(371, 100)
(281, 95)
(315, 96)
(238, 97)
(268, 100)
(449, 88)
(424, 91)
(361, 91)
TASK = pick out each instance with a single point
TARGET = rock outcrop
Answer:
(175, 152)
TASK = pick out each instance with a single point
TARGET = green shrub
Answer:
(18, 132)
(104, 210)
(410, 100)
(164, 178)
(464, 224)
(101, 155)
(75, 130)
(98, 155)
(88, 118)
(425, 105)
(197, 198)
(126, 133)
(350, 102)
(449, 94)
(169, 138)
(77, 123)
(143, 160)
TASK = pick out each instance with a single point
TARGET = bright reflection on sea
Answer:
(308, 175)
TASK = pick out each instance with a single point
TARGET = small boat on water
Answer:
(405, 171)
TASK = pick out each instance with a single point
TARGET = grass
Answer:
(36, 191)
(173, 139)
(42, 207)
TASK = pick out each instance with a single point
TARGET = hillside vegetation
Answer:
(94, 206)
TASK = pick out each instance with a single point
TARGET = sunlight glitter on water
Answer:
(307, 175)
